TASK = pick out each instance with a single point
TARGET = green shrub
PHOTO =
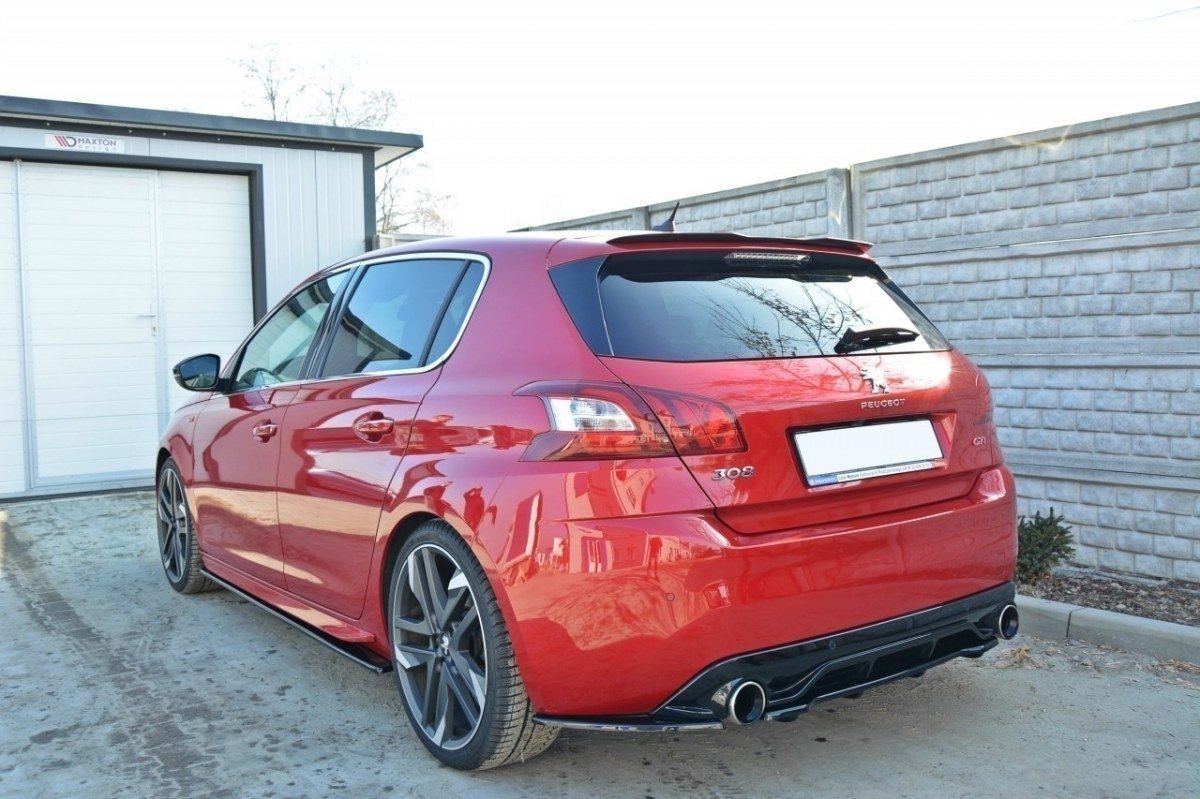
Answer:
(1043, 543)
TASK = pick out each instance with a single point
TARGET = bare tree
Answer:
(279, 84)
(340, 102)
(397, 209)
(328, 95)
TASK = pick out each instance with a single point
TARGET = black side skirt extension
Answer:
(356, 652)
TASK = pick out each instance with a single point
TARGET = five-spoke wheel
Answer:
(177, 544)
(439, 645)
(173, 527)
(453, 657)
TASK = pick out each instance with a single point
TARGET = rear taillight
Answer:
(985, 429)
(985, 389)
(697, 426)
(592, 420)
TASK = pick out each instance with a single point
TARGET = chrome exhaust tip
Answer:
(1008, 622)
(741, 701)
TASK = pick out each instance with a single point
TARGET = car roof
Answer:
(554, 247)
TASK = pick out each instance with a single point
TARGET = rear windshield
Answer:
(707, 307)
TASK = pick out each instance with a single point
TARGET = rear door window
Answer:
(707, 307)
(457, 312)
(393, 315)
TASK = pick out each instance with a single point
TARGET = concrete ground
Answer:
(113, 685)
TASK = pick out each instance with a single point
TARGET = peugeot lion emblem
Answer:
(875, 380)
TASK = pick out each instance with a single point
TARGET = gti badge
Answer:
(875, 380)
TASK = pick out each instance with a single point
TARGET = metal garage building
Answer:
(131, 238)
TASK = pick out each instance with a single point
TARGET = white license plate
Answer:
(845, 454)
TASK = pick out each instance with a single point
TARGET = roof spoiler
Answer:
(849, 245)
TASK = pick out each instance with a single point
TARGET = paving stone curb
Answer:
(1044, 618)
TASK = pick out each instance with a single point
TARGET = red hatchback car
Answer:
(623, 481)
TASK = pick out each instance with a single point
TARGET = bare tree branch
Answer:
(328, 95)
(279, 84)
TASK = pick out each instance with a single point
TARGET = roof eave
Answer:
(388, 145)
(386, 155)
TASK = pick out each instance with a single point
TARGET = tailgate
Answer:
(776, 401)
(802, 389)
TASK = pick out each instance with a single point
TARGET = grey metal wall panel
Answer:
(312, 204)
(339, 192)
(312, 198)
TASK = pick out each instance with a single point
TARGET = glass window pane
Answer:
(700, 308)
(390, 317)
(456, 314)
(276, 352)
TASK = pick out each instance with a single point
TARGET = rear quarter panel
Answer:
(462, 461)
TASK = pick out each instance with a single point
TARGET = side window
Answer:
(276, 352)
(456, 312)
(389, 320)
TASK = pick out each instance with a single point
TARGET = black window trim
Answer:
(326, 332)
(324, 338)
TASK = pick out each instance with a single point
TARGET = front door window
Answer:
(276, 352)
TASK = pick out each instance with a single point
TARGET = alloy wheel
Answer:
(439, 648)
(173, 525)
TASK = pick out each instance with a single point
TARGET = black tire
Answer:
(178, 548)
(467, 719)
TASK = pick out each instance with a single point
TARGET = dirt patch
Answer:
(1168, 600)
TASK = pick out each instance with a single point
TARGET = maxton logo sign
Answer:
(84, 142)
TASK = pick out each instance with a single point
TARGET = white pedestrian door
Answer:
(122, 273)
(87, 244)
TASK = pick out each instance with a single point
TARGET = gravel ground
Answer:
(111, 685)
(1165, 600)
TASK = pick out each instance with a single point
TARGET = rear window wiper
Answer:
(872, 337)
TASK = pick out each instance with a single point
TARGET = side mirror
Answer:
(198, 373)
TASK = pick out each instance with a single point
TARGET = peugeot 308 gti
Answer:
(627, 481)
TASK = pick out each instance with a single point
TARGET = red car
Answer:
(623, 481)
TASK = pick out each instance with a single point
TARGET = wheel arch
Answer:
(175, 449)
(400, 533)
(163, 454)
(404, 528)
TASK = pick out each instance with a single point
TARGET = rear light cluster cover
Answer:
(597, 420)
(697, 426)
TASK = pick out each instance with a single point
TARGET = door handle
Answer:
(373, 427)
(264, 430)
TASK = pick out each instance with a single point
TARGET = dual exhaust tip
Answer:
(744, 702)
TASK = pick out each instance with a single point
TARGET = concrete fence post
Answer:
(838, 202)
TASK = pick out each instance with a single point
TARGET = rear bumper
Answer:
(799, 675)
(624, 613)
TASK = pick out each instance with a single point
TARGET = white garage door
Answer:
(12, 440)
(120, 273)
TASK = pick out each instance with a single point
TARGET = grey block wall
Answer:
(807, 205)
(1067, 264)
